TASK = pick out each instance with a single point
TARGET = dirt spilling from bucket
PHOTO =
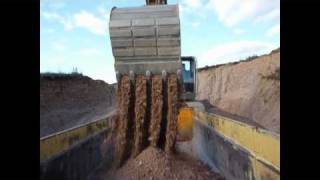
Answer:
(156, 110)
(172, 113)
(147, 114)
(146, 133)
(140, 113)
(124, 140)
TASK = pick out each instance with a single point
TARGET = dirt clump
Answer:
(154, 164)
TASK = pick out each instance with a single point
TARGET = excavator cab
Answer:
(189, 70)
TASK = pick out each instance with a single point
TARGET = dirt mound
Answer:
(250, 89)
(67, 100)
(154, 164)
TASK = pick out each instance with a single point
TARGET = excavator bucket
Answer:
(146, 40)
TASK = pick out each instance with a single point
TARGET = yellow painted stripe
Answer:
(61, 141)
(263, 144)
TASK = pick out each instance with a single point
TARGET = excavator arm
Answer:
(155, 2)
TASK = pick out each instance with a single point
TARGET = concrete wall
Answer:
(76, 152)
(94, 150)
(225, 151)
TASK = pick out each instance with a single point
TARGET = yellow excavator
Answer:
(146, 41)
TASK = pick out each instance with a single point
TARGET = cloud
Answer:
(272, 15)
(238, 31)
(59, 46)
(232, 12)
(194, 8)
(53, 16)
(90, 22)
(90, 52)
(57, 5)
(233, 51)
(50, 15)
(192, 4)
(82, 19)
(195, 24)
(274, 30)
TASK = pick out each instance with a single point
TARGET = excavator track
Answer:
(141, 125)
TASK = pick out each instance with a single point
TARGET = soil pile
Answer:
(155, 164)
(250, 89)
(67, 100)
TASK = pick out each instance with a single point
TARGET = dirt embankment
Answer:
(250, 89)
(68, 100)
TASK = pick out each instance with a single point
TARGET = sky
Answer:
(74, 33)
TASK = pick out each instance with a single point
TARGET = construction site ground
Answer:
(153, 164)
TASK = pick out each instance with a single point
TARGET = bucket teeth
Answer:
(131, 75)
(118, 76)
(148, 75)
(164, 74)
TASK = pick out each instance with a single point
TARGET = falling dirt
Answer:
(159, 118)
(150, 104)
(124, 123)
(156, 110)
(140, 113)
(171, 130)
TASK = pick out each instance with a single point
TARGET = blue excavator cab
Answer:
(189, 75)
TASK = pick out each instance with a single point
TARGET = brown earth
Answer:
(249, 89)
(124, 137)
(68, 100)
(140, 113)
(134, 118)
(171, 130)
(155, 164)
(156, 110)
